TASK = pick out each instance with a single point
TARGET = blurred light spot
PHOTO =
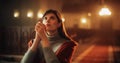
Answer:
(16, 14)
(104, 11)
(63, 19)
(30, 14)
(83, 20)
(89, 14)
(39, 15)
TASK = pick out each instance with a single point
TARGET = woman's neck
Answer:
(52, 33)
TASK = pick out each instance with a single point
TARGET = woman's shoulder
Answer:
(69, 43)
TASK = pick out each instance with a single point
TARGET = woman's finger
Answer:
(40, 20)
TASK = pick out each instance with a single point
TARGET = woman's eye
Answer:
(52, 17)
(45, 18)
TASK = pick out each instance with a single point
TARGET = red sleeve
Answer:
(64, 53)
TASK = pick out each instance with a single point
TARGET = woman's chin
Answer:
(48, 30)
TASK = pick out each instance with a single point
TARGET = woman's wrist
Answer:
(45, 42)
(37, 38)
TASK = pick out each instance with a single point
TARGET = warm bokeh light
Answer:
(30, 14)
(89, 14)
(85, 23)
(63, 19)
(16, 14)
(83, 20)
(104, 11)
(39, 15)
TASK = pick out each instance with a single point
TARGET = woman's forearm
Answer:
(49, 55)
(35, 44)
(28, 57)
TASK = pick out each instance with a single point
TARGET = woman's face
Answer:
(51, 22)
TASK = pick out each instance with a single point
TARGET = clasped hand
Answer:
(40, 30)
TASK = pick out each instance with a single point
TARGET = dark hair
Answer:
(61, 29)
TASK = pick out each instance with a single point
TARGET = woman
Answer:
(51, 44)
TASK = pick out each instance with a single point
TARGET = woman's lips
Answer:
(47, 25)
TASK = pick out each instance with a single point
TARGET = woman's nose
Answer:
(48, 20)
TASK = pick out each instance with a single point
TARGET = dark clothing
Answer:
(64, 53)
